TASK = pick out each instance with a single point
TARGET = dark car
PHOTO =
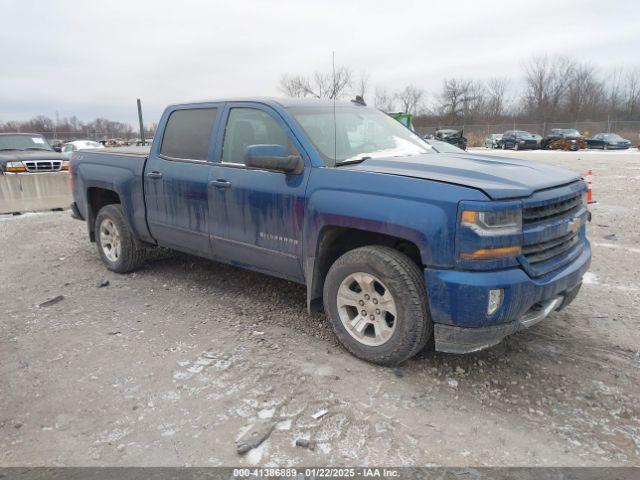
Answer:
(28, 152)
(608, 141)
(518, 140)
(563, 139)
(454, 137)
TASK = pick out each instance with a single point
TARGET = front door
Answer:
(176, 181)
(257, 215)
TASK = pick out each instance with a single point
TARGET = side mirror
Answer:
(273, 158)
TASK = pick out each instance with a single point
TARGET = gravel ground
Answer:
(168, 365)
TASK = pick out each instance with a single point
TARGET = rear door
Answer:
(176, 179)
(257, 215)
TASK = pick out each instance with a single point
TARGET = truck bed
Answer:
(119, 169)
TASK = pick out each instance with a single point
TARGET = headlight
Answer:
(505, 222)
(15, 167)
(65, 165)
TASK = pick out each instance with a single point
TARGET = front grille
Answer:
(552, 210)
(543, 251)
(43, 165)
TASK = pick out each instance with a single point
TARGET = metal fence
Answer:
(476, 133)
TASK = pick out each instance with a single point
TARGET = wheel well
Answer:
(96, 199)
(336, 241)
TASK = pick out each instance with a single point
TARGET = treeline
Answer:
(550, 89)
(72, 127)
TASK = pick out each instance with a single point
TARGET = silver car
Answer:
(492, 140)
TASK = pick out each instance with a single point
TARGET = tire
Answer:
(125, 253)
(394, 276)
(504, 146)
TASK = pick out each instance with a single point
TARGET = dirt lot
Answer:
(166, 366)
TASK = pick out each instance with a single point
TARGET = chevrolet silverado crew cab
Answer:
(398, 244)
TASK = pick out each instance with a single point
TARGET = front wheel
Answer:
(119, 249)
(376, 302)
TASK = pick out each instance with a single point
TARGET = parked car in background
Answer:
(518, 140)
(29, 153)
(56, 144)
(538, 138)
(608, 141)
(454, 137)
(493, 140)
(563, 139)
(138, 141)
(70, 147)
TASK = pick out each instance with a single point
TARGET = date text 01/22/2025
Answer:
(317, 472)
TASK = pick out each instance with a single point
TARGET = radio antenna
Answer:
(334, 92)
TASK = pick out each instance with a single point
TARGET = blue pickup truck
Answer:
(400, 245)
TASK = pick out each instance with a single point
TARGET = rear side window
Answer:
(188, 134)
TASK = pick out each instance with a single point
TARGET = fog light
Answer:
(495, 300)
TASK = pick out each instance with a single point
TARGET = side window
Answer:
(188, 134)
(250, 126)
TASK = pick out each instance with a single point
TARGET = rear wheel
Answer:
(119, 249)
(376, 302)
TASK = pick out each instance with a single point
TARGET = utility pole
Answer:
(141, 124)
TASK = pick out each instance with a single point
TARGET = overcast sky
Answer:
(94, 58)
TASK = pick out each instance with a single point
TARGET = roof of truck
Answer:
(281, 101)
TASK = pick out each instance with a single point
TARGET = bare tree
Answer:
(295, 86)
(547, 79)
(410, 98)
(319, 85)
(384, 101)
(496, 103)
(461, 99)
(631, 96)
(585, 95)
(362, 85)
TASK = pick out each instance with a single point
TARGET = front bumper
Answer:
(458, 302)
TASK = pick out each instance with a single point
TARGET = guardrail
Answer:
(29, 192)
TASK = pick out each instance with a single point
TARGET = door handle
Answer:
(220, 183)
(154, 175)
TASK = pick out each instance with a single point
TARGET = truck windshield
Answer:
(23, 142)
(358, 133)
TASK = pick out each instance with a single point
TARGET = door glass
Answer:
(188, 134)
(250, 126)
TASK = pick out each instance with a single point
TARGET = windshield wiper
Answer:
(38, 148)
(10, 150)
(352, 161)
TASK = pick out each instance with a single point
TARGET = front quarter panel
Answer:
(420, 211)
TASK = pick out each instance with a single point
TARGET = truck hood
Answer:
(20, 155)
(498, 177)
